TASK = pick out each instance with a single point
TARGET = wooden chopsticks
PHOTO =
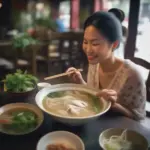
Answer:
(62, 74)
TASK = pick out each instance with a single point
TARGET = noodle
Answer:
(72, 103)
(118, 142)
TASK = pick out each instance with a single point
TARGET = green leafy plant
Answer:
(20, 82)
(23, 40)
(46, 22)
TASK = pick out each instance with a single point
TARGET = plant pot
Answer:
(13, 97)
(41, 32)
(22, 96)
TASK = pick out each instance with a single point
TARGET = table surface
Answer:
(89, 133)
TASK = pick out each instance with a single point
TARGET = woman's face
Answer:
(95, 46)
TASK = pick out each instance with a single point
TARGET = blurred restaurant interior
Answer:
(44, 37)
(45, 23)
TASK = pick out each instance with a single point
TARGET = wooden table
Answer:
(89, 133)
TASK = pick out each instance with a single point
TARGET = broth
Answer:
(72, 103)
(24, 120)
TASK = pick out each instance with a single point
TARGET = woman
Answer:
(120, 80)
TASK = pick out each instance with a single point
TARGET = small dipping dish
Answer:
(42, 85)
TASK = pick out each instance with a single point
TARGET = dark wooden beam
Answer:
(6, 14)
(132, 28)
(88, 4)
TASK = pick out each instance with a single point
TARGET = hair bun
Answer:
(118, 13)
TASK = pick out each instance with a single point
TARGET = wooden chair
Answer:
(19, 59)
(26, 59)
(8, 53)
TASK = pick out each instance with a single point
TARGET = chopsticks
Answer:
(62, 74)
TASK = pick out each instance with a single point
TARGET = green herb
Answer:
(23, 40)
(96, 103)
(56, 94)
(20, 82)
(46, 22)
(22, 121)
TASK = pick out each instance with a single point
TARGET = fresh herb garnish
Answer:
(96, 102)
(20, 82)
(56, 94)
(22, 121)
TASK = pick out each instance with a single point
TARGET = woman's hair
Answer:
(121, 16)
(108, 23)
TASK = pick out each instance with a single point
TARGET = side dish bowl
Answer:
(138, 141)
(29, 123)
(60, 137)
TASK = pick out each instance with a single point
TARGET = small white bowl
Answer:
(60, 137)
(42, 85)
(136, 138)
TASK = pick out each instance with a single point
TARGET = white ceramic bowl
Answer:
(42, 85)
(60, 137)
(136, 138)
(70, 120)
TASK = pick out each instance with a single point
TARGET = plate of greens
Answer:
(25, 118)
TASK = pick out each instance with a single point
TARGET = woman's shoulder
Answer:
(134, 71)
(132, 67)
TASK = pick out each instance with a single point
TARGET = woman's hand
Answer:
(109, 95)
(76, 77)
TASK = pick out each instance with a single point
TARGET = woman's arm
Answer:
(132, 98)
(83, 82)
(119, 108)
(112, 96)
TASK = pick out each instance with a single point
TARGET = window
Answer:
(64, 11)
(143, 40)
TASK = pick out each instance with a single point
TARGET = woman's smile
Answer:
(90, 57)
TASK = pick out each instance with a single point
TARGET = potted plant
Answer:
(23, 40)
(23, 43)
(43, 27)
(20, 85)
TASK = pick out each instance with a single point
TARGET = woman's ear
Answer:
(115, 44)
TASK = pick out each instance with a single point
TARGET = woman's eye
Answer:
(95, 44)
(85, 42)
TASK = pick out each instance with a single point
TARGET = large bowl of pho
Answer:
(72, 104)
(117, 139)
